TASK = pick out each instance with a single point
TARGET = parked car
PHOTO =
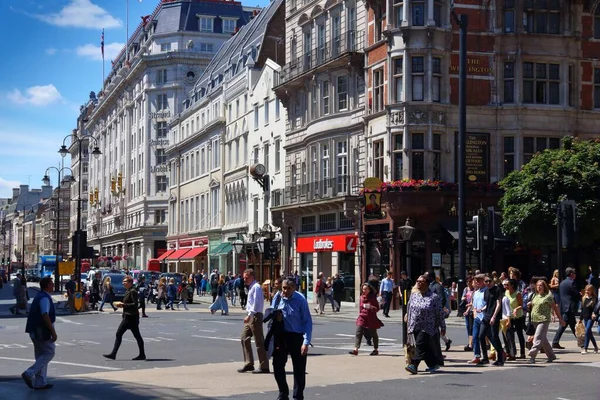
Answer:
(178, 278)
(147, 274)
(116, 280)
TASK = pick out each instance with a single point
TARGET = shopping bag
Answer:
(580, 333)
(409, 349)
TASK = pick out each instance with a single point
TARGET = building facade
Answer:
(145, 89)
(322, 86)
(212, 146)
(531, 73)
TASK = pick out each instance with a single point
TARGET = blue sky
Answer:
(52, 62)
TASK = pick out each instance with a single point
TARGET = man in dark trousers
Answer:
(141, 289)
(436, 288)
(95, 291)
(131, 321)
(569, 297)
(491, 321)
(338, 291)
(40, 326)
(297, 332)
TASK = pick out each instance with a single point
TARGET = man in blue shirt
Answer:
(297, 333)
(479, 307)
(386, 289)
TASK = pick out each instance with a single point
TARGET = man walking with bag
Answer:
(40, 326)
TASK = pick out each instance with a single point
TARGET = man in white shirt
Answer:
(253, 326)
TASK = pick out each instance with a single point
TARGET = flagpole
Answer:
(102, 49)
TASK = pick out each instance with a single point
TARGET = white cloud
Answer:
(93, 52)
(81, 14)
(36, 95)
(6, 187)
(51, 51)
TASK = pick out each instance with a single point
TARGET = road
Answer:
(194, 354)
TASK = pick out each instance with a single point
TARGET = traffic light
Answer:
(472, 233)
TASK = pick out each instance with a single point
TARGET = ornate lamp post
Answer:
(405, 232)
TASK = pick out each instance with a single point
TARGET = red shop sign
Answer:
(341, 243)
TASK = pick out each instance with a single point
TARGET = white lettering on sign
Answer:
(351, 246)
(323, 244)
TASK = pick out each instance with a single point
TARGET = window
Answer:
(541, 83)
(192, 215)
(398, 67)
(532, 145)
(342, 167)
(325, 166)
(309, 224)
(597, 23)
(161, 76)
(192, 167)
(277, 155)
(437, 156)
(229, 25)
(509, 155)
(203, 161)
(266, 155)
(160, 216)
(266, 111)
(436, 79)
(161, 156)
(399, 12)
(216, 144)
(215, 206)
(418, 12)
(379, 17)
(542, 16)
(325, 96)
(342, 93)
(398, 156)
(162, 102)
(437, 13)
(307, 49)
(418, 156)
(161, 183)
(509, 82)
(336, 35)
(206, 47)
(418, 74)
(255, 154)
(327, 222)
(378, 90)
(378, 159)
(206, 24)
(509, 16)
(597, 87)
(230, 112)
(165, 47)
(256, 117)
(321, 42)
(277, 109)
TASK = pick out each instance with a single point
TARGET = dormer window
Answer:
(229, 25)
(206, 23)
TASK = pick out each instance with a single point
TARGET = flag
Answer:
(102, 44)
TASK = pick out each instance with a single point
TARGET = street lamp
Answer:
(63, 152)
(238, 247)
(26, 210)
(405, 232)
(46, 181)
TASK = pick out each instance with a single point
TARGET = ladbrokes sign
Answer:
(342, 243)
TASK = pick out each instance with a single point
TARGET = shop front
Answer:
(331, 255)
(186, 255)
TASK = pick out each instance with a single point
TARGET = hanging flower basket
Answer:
(411, 185)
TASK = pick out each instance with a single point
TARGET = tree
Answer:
(531, 194)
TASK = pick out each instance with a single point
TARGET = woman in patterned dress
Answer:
(425, 319)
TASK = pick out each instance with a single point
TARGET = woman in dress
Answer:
(367, 321)
(588, 302)
(541, 307)
(425, 319)
(554, 284)
(220, 302)
(107, 296)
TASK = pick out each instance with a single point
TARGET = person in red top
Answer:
(367, 320)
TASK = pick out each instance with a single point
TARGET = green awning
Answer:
(223, 248)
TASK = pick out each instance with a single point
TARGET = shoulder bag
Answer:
(530, 328)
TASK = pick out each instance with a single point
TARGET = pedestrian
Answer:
(40, 326)
(517, 318)
(220, 302)
(71, 287)
(253, 326)
(297, 333)
(198, 281)
(23, 294)
(436, 287)
(554, 286)
(466, 308)
(214, 286)
(16, 290)
(183, 295)
(108, 294)
(541, 307)
(95, 291)
(386, 288)
(478, 309)
(243, 291)
(233, 290)
(141, 289)
(491, 322)
(328, 292)
(130, 321)
(569, 297)
(171, 294)
(320, 294)
(161, 293)
(424, 321)
(338, 291)
(367, 319)
(588, 303)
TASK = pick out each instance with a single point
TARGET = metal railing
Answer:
(347, 42)
(343, 185)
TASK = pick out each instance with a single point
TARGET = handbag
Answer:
(530, 328)
(580, 333)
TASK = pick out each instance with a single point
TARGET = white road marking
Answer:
(216, 338)
(224, 322)
(64, 363)
(13, 346)
(88, 342)
(207, 330)
(68, 321)
(165, 338)
(561, 398)
(352, 336)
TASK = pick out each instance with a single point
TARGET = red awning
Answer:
(177, 254)
(165, 255)
(193, 253)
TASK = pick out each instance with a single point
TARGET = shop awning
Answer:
(176, 255)
(193, 253)
(223, 248)
(165, 255)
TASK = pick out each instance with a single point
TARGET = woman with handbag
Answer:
(541, 306)
(588, 302)
(367, 320)
(517, 319)
(425, 319)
